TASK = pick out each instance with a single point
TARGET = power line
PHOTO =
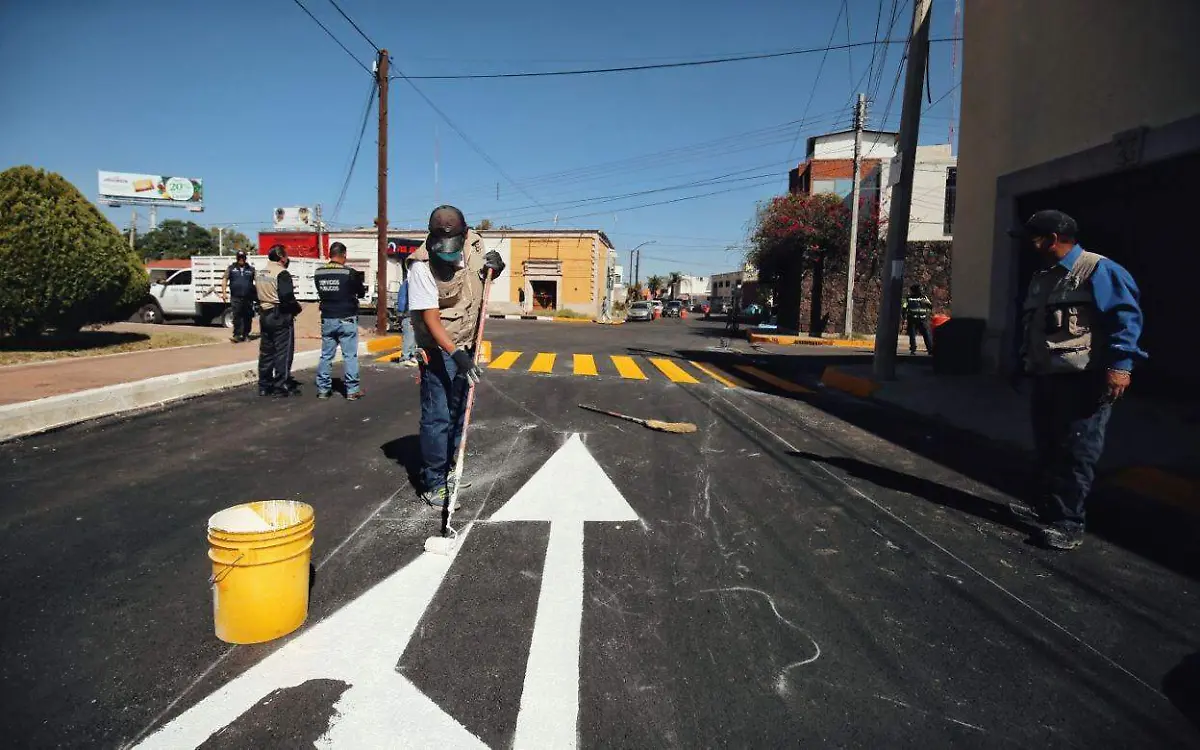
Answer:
(665, 66)
(821, 67)
(850, 52)
(331, 36)
(352, 23)
(358, 145)
(466, 139)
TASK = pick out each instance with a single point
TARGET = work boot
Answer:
(282, 393)
(436, 498)
(1064, 538)
(323, 395)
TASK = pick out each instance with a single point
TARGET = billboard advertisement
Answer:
(294, 217)
(154, 189)
(297, 244)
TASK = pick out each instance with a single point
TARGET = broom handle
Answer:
(613, 414)
(448, 511)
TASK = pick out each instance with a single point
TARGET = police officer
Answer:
(1082, 322)
(445, 295)
(237, 288)
(340, 289)
(918, 309)
(277, 339)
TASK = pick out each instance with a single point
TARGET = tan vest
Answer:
(266, 284)
(1060, 315)
(459, 296)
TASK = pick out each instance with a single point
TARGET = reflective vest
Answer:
(1060, 314)
(459, 295)
(918, 308)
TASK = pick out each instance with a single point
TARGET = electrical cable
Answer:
(665, 66)
(334, 38)
(816, 80)
(358, 145)
(352, 23)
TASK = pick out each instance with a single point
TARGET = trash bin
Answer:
(958, 346)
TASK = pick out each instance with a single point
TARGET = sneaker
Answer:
(264, 392)
(355, 396)
(281, 394)
(436, 498)
(324, 395)
(235, 339)
(409, 363)
(1062, 538)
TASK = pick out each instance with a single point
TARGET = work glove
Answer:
(493, 261)
(466, 366)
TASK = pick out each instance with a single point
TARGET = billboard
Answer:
(152, 189)
(294, 217)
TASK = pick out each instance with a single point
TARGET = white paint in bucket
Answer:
(249, 519)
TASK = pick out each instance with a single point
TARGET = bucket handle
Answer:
(216, 578)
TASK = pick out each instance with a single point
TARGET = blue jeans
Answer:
(409, 349)
(337, 332)
(443, 403)
(1070, 416)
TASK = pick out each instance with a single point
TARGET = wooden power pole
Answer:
(888, 330)
(860, 121)
(381, 219)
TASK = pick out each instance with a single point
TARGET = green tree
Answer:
(654, 284)
(233, 241)
(177, 239)
(63, 265)
(484, 224)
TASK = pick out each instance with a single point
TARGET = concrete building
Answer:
(557, 269)
(690, 288)
(829, 168)
(722, 286)
(1052, 118)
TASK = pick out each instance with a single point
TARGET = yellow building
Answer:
(552, 269)
(1092, 108)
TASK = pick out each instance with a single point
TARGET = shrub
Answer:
(63, 265)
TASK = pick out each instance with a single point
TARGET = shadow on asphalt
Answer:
(934, 492)
(1182, 686)
(406, 451)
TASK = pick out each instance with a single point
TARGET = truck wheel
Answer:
(225, 319)
(150, 313)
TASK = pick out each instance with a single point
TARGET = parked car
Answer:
(658, 306)
(640, 311)
(673, 309)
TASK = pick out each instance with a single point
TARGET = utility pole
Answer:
(320, 251)
(153, 217)
(381, 219)
(220, 240)
(860, 121)
(132, 229)
(888, 329)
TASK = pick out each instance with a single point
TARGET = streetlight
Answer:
(636, 275)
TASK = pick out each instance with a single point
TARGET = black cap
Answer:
(1046, 223)
(241, 254)
(447, 221)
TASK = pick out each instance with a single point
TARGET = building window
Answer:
(951, 194)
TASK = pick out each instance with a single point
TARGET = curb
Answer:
(785, 340)
(32, 417)
(544, 318)
(383, 343)
(1158, 484)
(834, 378)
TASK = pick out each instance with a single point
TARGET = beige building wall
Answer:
(1044, 79)
(582, 258)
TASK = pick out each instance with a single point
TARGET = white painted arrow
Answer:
(569, 490)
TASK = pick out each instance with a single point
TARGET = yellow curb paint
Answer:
(784, 340)
(485, 353)
(504, 361)
(1162, 486)
(392, 357)
(832, 377)
(574, 320)
(585, 364)
(628, 368)
(383, 343)
(674, 372)
(780, 383)
(726, 379)
(543, 362)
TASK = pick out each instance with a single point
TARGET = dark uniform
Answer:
(277, 343)
(340, 289)
(918, 309)
(241, 298)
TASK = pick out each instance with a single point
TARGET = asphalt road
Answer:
(804, 570)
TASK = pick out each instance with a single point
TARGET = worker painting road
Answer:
(781, 577)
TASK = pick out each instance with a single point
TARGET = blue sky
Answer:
(255, 99)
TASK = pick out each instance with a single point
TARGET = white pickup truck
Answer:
(196, 292)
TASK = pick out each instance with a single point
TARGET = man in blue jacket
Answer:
(1082, 322)
(340, 288)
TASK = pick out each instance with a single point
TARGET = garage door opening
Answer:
(545, 295)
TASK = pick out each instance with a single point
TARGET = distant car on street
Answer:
(640, 311)
(673, 309)
(658, 306)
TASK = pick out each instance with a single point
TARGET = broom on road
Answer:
(655, 424)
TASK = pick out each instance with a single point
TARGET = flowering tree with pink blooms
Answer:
(797, 234)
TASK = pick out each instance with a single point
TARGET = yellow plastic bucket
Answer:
(260, 556)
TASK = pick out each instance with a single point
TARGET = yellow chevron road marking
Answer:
(543, 362)
(628, 368)
(724, 379)
(780, 383)
(504, 361)
(674, 372)
(585, 364)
